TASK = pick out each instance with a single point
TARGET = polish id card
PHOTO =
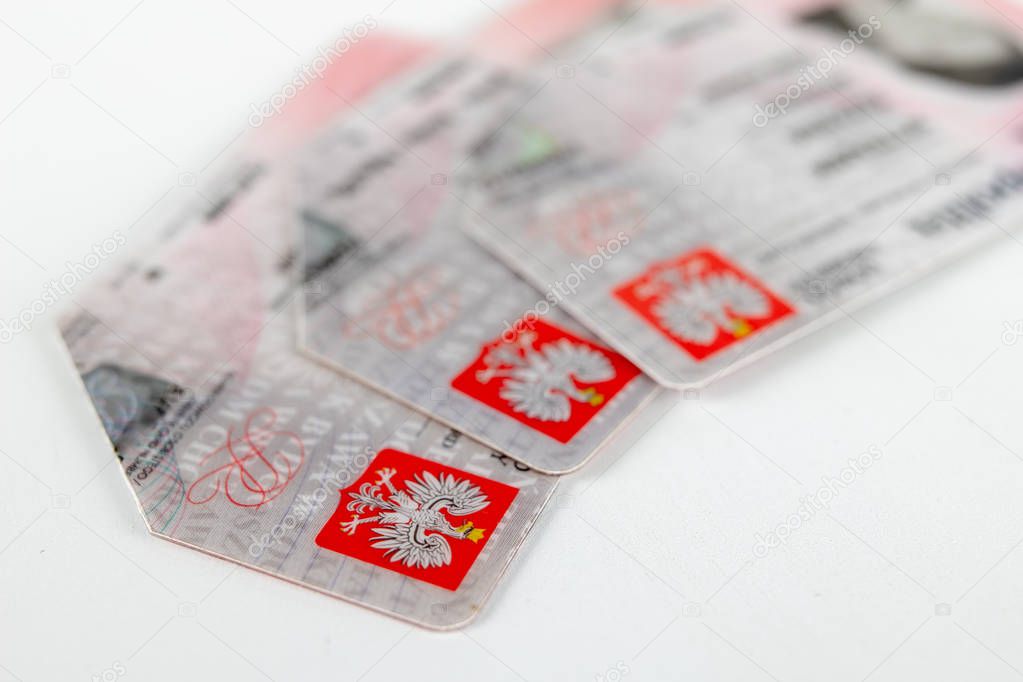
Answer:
(696, 205)
(401, 299)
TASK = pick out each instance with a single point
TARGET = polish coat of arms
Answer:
(702, 302)
(417, 517)
(547, 378)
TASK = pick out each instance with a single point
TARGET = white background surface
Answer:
(645, 564)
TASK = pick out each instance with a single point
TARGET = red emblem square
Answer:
(546, 378)
(417, 517)
(702, 302)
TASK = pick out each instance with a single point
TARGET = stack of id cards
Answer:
(362, 358)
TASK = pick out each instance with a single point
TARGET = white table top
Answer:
(646, 567)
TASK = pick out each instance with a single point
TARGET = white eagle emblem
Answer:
(413, 527)
(698, 307)
(542, 383)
